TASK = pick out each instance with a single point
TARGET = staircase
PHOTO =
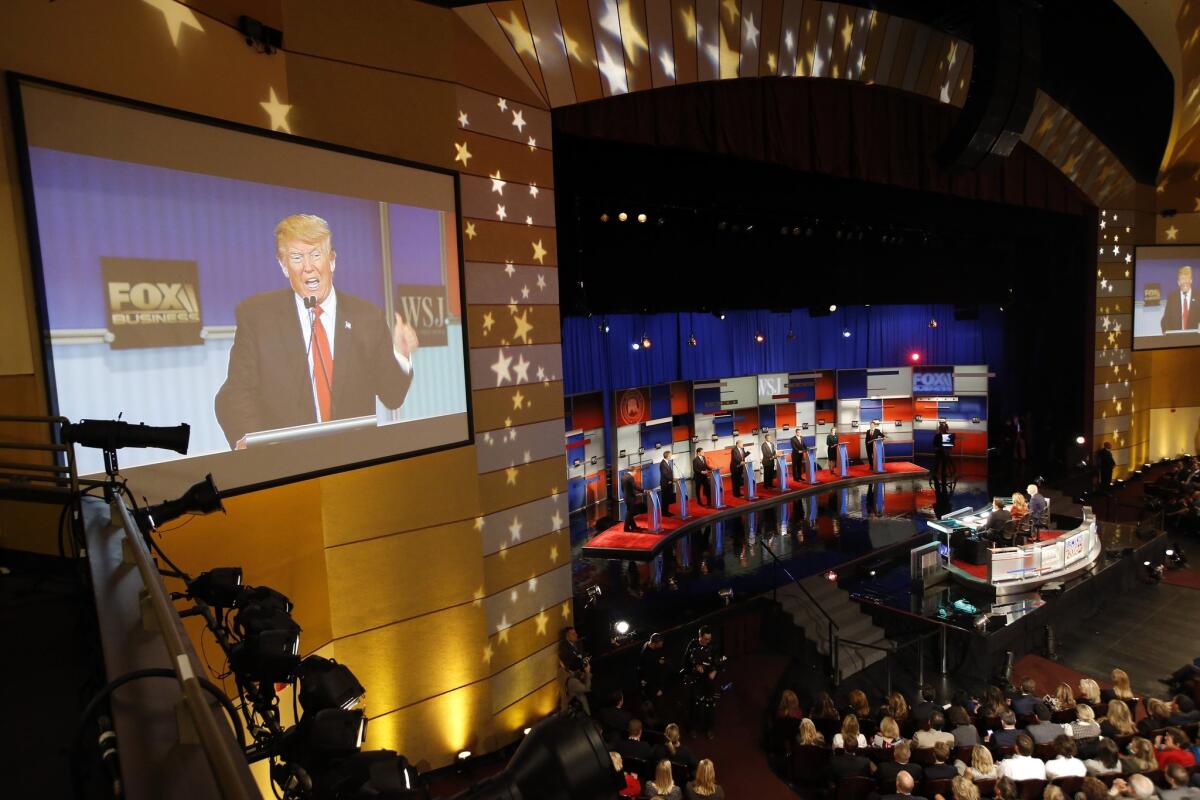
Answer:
(851, 622)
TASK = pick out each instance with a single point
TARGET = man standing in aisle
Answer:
(768, 457)
(666, 482)
(737, 458)
(701, 472)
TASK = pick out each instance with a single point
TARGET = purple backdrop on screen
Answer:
(1162, 271)
(90, 207)
(416, 245)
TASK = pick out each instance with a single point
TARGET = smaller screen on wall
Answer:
(933, 381)
(1164, 310)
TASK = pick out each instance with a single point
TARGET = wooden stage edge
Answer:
(669, 537)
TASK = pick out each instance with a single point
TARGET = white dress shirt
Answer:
(328, 320)
(1022, 768)
(1065, 767)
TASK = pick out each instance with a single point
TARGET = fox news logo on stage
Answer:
(933, 380)
(424, 308)
(151, 302)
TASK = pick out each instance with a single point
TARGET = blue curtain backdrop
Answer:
(880, 336)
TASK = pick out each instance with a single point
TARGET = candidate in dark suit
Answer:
(633, 496)
(873, 435)
(1180, 313)
(737, 458)
(768, 461)
(666, 482)
(998, 518)
(797, 456)
(831, 447)
(700, 474)
(294, 365)
(1105, 463)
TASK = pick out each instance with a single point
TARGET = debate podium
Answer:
(715, 490)
(748, 468)
(681, 494)
(843, 465)
(653, 510)
(810, 465)
(879, 456)
(781, 466)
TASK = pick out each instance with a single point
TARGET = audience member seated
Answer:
(633, 786)
(1118, 721)
(1138, 786)
(1027, 702)
(1006, 789)
(904, 788)
(1107, 760)
(860, 707)
(1065, 764)
(1063, 698)
(1052, 792)
(1089, 691)
(849, 735)
(888, 735)
(789, 705)
(824, 708)
(965, 734)
(673, 749)
(963, 789)
(705, 785)
(1183, 711)
(1023, 766)
(1159, 717)
(1173, 747)
(1084, 730)
(896, 708)
(633, 746)
(850, 762)
(1093, 789)
(1120, 688)
(1140, 757)
(1007, 735)
(886, 776)
(614, 718)
(931, 732)
(1020, 506)
(1179, 788)
(994, 703)
(809, 735)
(1044, 731)
(961, 697)
(983, 767)
(663, 784)
(579, 684)
(942, 767)
(926, 705)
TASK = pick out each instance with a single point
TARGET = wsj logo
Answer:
(425, 307)
(152, 303)
(424, 312)
(933, 382)
(771, 387)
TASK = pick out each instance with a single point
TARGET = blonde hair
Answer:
(1157, 708)
(662, 777)
(1085, 713)
(808, 733)
(788, 701)
(897, 706)
(850, 731)
(964, 788)
(1121, 687)
(706, 778)
(1052, 792)
(1141, 752)
(1019, 500)
(1064, 697)
(888, 729)
(618, 764)
(1185, 270)
(1119, 717)
(307, 228)
(982, 761)
(672, 736)
(1089, 689)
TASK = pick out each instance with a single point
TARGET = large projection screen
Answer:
(1164, 314)
(175, 255)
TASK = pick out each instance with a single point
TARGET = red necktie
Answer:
(1185, 310)
(322, 366)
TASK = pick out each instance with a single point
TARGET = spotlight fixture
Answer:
(832, 307)
(1079, 440)
(933, 323)
(375, 773)
(645, 341)
(200, 498)
(463, 755)
(622, 216)
(329, 734)
(604, 326)
(758, 337)
(641, 218)
(637, 345)
(721, 315)
(1154, 572)
(526, 731)
(219, 587)
(324, 683)
(691, 340)
(1176, 558)
(604, 217)
(831, 576)
(914, 357)
(726, 595)
(845, 333)
(115, 434)
(791, 335)
(621, 627)
(593, 593)
(267, 657)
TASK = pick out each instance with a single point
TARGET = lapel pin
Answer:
(347, 324)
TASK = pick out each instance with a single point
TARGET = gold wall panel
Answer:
(518, 564)
(529, 709)
(503, 329)
(378, 581)
(525, 677)
(432, 732)
(410, 661)
(1111, 339)
(514, 643)
(398, 496)
(517, 161)
(499, 242)
(1176, 376)
(513, 486)
(543, 401)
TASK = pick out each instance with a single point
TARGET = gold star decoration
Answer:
(523, 327)
(461, 153)
(524, 292)
(518, 400)
(470, 231)
(509, 268)
(488, 653)
(462, 119)
(498, 183)
(533, 190)
(539, 252)
(501, 212)
(522, 39)
(1046, 123)
(542, 620)
(278, 113)
(553, 554)
(508, 422)
(510, 476)
(176, 15)
(1172, 232)
(731, 7)
(488, 322)
(1072, 162)
(532, 143)
(556, 521)
(566, 609)
(518, 120)
(501, 368)
(501, 104)
(521, 369)
(503, 636)
(514, 530)
(479, 524)
(847, 31)
(572, 47)
(541, 282)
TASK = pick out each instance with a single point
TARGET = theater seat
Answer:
(1030, 789)
(856, 788)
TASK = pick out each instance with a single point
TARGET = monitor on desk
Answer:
(946, 440)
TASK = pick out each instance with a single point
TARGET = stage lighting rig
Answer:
(219, 587)
(113, 435)
(200, 498)
(325, 684)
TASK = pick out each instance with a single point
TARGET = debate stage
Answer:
(616, 542)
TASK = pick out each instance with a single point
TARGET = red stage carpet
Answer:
(617, 538)
(1189, 577)
(980, 570)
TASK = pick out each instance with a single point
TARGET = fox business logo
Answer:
(151, 302)
(156, 303)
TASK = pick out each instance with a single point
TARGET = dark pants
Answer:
(667, 495)
(738, 477)
(769, 472)
(797, 466)
(703, 490)
(631, 509)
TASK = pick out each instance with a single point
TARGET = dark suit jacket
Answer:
(894, 796)
(666, 481)
(1172, 318)
(700, 468)
(845, 765)
(923, 711)
(1037, 507)
(737, 457)
(885, 778)
(615, 721)
(635, 748)
(630, 491)
(268, 384)
(937, 772)
(997, 519)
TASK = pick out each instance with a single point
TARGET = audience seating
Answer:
(923, 756)
(854, 788)
(1044, 751)
(808, 762)
(680, 774)
(640, 767)
(964, 754)
(942, 786)
(1064, 716)
(828, 727)
(987, 788)
(1030, 789)
(879, 754)
(1070, 784)
(1008, 751)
